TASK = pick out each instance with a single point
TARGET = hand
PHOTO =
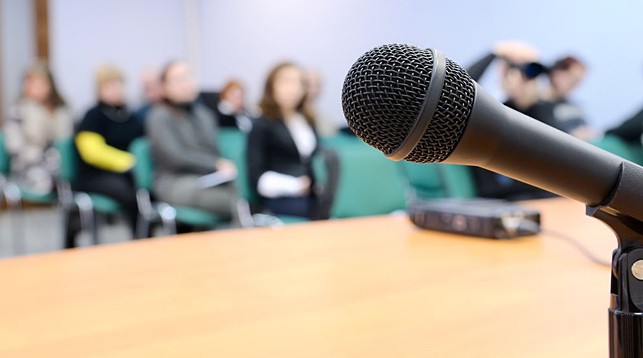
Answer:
(225, 166)
(305, 183)
(516, 51)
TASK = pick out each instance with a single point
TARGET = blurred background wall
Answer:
(244, 38)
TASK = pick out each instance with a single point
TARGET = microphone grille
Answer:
(384, 93)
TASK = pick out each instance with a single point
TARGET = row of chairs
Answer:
(357, 181)
(151, 212)
(87, 209)
(365, 171)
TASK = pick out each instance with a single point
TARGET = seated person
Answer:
(39, 118)
(230, 109)
(281, 144)
(564, 76)
(103, 139)
(182, 136)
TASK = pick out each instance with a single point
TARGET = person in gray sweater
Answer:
(182, 136)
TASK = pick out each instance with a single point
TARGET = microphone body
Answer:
(506, 141)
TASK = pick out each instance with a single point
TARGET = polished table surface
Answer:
(370, 287)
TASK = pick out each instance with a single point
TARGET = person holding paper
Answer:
(182, 135)
(281, 145)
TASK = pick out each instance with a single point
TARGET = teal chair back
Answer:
(457, 181)
(232, 144)
(618, 146)
(431, 181)
(143, 171)
(423, 180)
(68, 159)
(5, 159)
(369, 183)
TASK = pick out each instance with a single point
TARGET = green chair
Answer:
(457, 181)
(423, 181)
(368, 184)
(8, 192)
(75, 203)
(616, 145)
(22, 194)
(232, 144)
(15, 195)
(152, 212)
(431, 181)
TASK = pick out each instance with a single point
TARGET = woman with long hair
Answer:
(39, 118)
(281, 145)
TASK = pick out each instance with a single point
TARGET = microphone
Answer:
(417, 105)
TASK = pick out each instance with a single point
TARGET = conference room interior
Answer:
(243, 40)
(227, 41)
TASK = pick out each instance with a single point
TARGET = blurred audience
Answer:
(323, 124)
(231, 109)
(39, 118)
(152, 92)
(281, 145)
(182, 134)
(103, 140)
(564, 76)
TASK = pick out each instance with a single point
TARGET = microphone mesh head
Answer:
(384, 93)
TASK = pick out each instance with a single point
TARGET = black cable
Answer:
(574, 242)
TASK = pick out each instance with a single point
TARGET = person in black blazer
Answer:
(281, 144)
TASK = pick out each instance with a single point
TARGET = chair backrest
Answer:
(68, 159)
(143, 171)
(617, 145)
(369, 183)
(5, 159)
(430, 181)
(457, 181)
(232, 144)
(423, 180)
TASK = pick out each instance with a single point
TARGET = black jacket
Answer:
(272, 148)
(631, 129)
(116, 125)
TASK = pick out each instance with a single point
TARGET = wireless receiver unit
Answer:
(477, 217)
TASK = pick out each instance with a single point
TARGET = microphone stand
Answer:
(626, 298)
(626, 292)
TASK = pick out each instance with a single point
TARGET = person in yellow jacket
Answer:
(103, 138)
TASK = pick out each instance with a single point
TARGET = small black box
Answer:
(477, 217)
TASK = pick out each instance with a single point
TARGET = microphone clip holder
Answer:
(626, 292)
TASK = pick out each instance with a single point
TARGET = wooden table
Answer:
(372, 287)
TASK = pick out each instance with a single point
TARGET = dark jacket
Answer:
(631, 129)
(116, 125)
(272, 148)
